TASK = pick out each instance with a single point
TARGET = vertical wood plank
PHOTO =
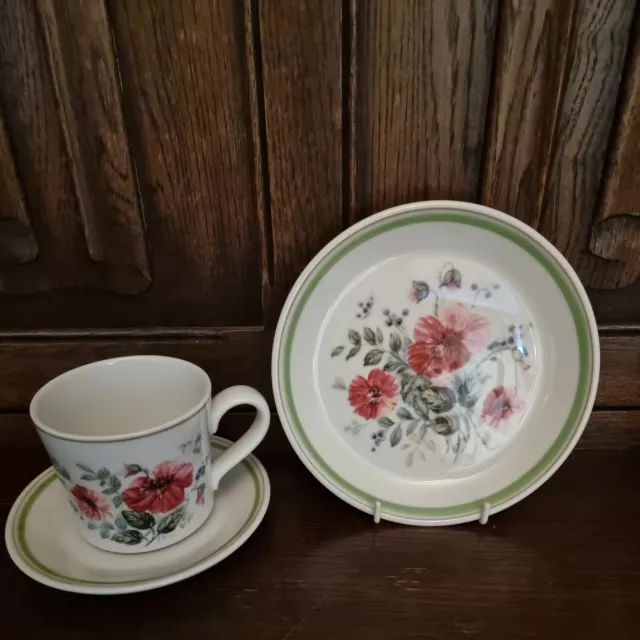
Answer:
(87, 90)
(584, 125)
(424, 75)
(17, 242)
(186, 90)
(615, 235)
(302, 66)
(528, 79)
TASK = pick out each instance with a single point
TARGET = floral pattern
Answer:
(153, 504)
(426, 392)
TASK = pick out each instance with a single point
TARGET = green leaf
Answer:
(129, 537)
(107, 525)
(404, 414)
(337, 351)
(85, 468)
(409, 459)
(139, 520)
(133, 469)
(423, 430)
(386, 423)
(370, 336)
(108, 491)
(104, 533)
(103, 473)
(200, 472)
(439, 399)
(92, 525)
(396, 436)
(354, 337)
(88, 476)
(114, 483)
(354, 352)
(170, 522)
(395, 342)
(390, 366)
(379, 336)
(406, 342)
(117, 501)
(121, 523)
(373, 357)
(412, 426)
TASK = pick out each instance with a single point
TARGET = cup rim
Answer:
(47, 387)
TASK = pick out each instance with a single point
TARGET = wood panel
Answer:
(17, 242)
(86, 84)
(301, 45)
(82, 135)
(615, 235)
(423, 77)
(529, 74)
(184, 73)
(235, 357)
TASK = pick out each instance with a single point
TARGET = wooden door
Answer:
(169, 167)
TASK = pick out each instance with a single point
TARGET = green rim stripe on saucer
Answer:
(584, 348)
(20, 541)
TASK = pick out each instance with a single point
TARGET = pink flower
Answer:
(444, 346)
(500, 404)
(161, 491)
(94, 505)
(373, 396)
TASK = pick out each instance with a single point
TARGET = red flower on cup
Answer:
(94, 505)
(441, 347)
(373, 396)
(500, 404)
(161, 491)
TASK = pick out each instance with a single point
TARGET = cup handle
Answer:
(220, 404)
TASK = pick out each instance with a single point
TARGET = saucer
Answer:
(44, 543)
(435, 363)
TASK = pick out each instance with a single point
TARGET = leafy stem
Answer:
(490, 355)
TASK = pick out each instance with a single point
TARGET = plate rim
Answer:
(426, 516)
(31, 567)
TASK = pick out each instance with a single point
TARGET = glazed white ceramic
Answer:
(128, 439)
(435, 363)
(46, 545)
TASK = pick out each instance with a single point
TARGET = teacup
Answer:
(129, 440)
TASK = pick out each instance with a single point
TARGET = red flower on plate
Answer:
(373, 396)
(93, 504)
(499, 405)
(161, 491)
(441, 347)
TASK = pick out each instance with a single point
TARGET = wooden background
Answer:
(167, 168)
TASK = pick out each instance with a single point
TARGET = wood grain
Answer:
(529, 74)
(584, 124)
(615, 235)
(423, 78)
(184, 74)
(17, 242)
(86, 83)
(302, 66)
(564, 561)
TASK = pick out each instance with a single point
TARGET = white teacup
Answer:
(129, 439)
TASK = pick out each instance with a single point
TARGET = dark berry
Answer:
(360, 304)
(398, 321)
(380, 433)
(388, 323)
(358, 315)
(474, 286)
(512, 328)
(405, 312)
(488, 294)
(373, 449)
(510, 340)
(385, 312)
(496, 286)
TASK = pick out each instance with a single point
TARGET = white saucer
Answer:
(44, 543)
